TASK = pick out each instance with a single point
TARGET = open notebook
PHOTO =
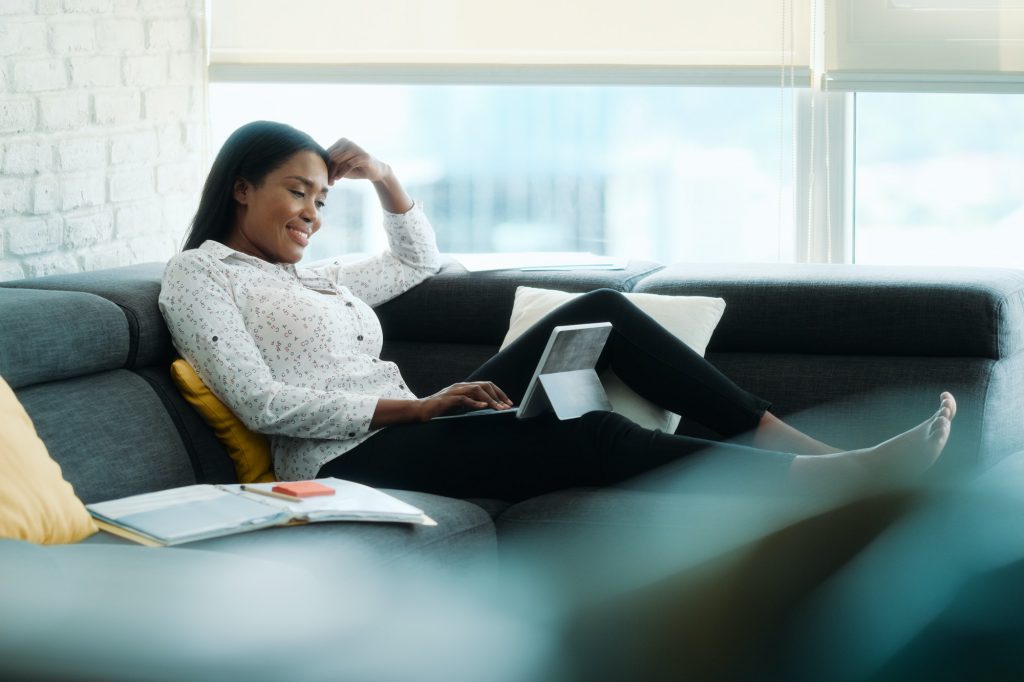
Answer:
(198, 512)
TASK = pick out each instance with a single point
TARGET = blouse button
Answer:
(359, 338)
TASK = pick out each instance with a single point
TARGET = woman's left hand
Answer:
(349, 160)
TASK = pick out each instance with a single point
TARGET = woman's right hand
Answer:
(470, 395)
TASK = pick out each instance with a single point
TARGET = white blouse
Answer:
(295, 352)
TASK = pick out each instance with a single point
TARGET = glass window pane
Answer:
(940, 179)
(663, 173)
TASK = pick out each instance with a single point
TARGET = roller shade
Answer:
(925, 45)
(733, 41)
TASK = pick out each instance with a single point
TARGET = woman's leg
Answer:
(657, 365)
(501, 456)
(646, 356)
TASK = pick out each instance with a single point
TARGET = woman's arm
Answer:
(412, 256)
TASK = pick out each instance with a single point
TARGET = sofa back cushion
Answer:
(46, 336)
(63, 353)
(462, 308)
(446, 327)
(133, 289)
(857, 309)
(110, 433)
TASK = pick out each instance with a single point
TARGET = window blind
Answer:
(741, 42)
(925, 45)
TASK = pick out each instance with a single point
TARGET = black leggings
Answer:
(501, 456)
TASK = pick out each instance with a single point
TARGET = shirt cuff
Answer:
(414, 208)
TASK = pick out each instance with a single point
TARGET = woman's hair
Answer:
(251, 152)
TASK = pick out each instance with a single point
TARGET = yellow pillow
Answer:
(249, 451)
(36, 503)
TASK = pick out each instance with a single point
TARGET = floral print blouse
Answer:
(293, 351)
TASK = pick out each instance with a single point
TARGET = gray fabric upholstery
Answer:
(1003, 424)
(110, 434)
(862, 310)
(209, 458)
(457, 306)
(430, 366)
(593, 541)
(50, 336)
(135, 289)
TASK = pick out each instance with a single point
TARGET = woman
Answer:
(295, 354)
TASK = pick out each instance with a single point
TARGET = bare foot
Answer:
(897, 460)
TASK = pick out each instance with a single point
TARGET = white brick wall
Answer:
(102, 131)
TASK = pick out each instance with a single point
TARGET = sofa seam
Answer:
(1001, 305)
(446, 538)
(632, 281)
(186, 437)
(984, 413)
(134, 332)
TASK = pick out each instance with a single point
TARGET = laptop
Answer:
(565, 380)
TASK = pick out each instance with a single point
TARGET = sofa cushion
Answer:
(473, 308)
(587, 541)
(110, 433)
(249, 451)
(77, 334)
(36, 503)
(857, 309)
(135, 289)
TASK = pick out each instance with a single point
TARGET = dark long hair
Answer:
(251, 152)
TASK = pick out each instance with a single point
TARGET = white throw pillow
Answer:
(692, 319)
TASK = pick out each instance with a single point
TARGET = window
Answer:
(939, 179)
(661, 173)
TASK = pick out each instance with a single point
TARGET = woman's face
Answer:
(275, 220)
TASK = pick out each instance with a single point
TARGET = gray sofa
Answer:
(850, 354)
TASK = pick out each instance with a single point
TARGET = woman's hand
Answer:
(349, 160)
(474, 395)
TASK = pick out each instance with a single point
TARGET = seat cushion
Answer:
(110, 433)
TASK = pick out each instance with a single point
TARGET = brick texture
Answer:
(102, 106)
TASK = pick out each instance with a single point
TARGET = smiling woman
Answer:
(295, 353)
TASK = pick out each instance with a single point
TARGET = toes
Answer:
(948, 402)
